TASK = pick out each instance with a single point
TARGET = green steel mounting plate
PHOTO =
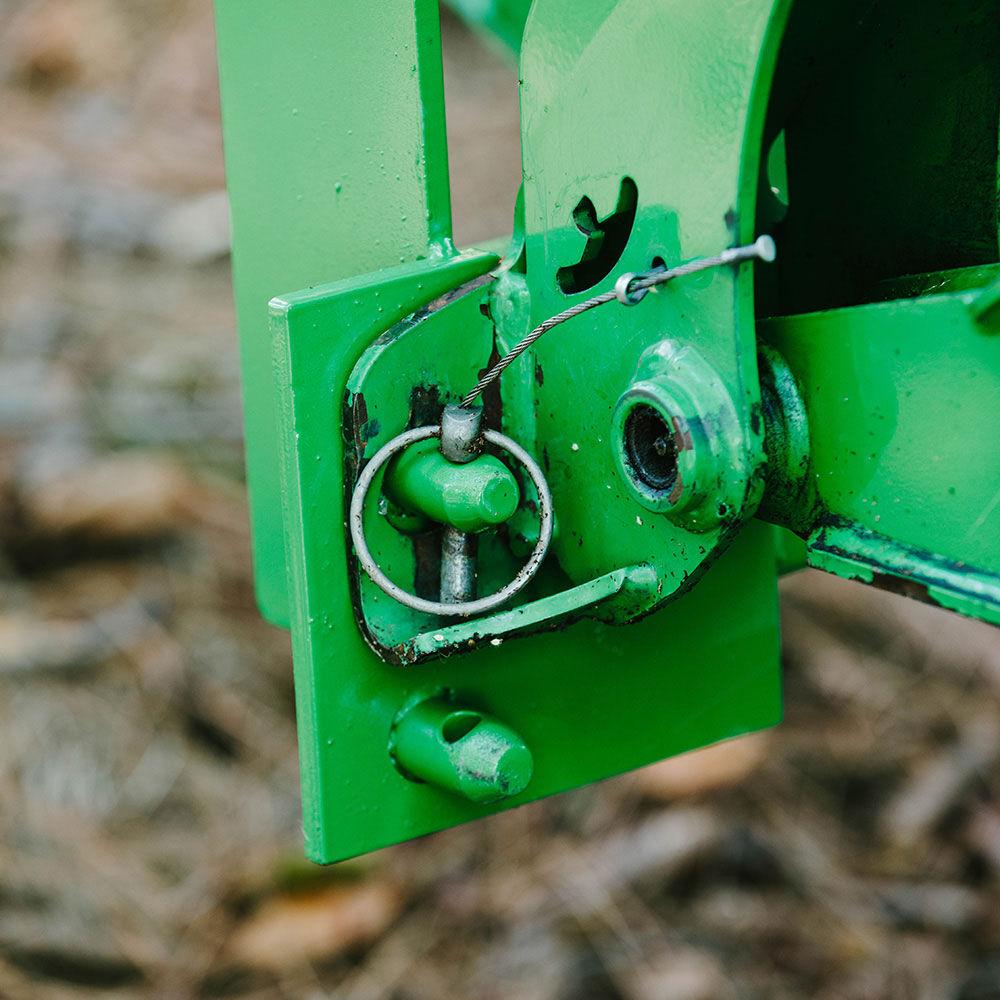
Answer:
(593, 699)
(884, 316)
(892, 479)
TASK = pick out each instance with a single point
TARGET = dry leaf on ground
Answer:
(290, 930)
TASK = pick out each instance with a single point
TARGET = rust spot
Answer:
(403, 653)
(359, 418)
(914, 589)
(539, 377)
(682, 434)
(360, 408)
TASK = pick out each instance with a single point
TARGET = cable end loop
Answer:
(624, 295)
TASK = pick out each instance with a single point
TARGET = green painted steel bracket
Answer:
(686, 356)
(438, 348)
(699, 392)
(902, 474)
(349, 378)
(321, 186)
(847, 395)
(582, 716)
(881, 362)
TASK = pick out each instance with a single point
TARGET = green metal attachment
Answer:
(462, 751)
(898, 481)
(360, 360)
(336, 165)
(668, 185)
(847, 395)
(470, 497)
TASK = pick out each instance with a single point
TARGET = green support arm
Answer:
(336, 165)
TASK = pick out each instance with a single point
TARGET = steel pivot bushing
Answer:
(678, 441)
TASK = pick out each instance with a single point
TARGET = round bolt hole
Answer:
(650, 449)
(459, 724)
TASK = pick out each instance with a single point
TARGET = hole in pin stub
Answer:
(459, 724)
(650, 449)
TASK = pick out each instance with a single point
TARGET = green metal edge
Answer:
(846, 550)
(336, 164)
(358, 308)
(586, 598)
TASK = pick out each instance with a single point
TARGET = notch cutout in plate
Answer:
(606, 239)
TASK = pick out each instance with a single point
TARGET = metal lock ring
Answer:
(464, 608)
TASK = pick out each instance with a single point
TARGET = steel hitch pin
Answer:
(460, 443)
(467, 444)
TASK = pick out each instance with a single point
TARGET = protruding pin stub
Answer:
(470, 496)
(461, 750)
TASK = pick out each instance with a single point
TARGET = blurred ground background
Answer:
(149, 835)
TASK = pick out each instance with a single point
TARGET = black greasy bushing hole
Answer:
(650, 448)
